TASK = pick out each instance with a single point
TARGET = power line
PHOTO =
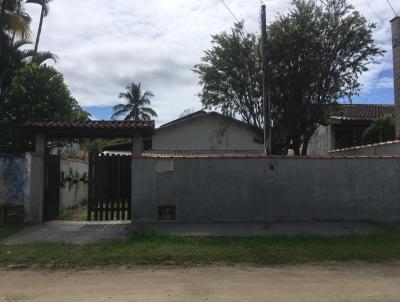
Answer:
(230, 11)
(232, 14)
(385, 62)
(374, 12)
(396, 14)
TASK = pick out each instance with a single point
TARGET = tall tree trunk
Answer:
(304, 148)
(39, 32)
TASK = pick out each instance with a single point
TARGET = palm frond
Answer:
(149, 111)
(42, 56)
(117, 114)
(20, 43)
(144, 117)
(14, 23)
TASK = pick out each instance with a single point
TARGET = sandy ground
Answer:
(355, 282)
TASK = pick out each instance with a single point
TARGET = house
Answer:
(201, 132)
(346, 126)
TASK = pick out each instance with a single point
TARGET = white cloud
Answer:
(104, 45)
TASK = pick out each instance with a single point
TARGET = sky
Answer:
(103, 46)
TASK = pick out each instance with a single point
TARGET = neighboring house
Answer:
(345, 127)
(199, 131)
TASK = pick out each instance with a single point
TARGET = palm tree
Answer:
(13, 20)
(135, 109)
(45, 11)
(14, 58)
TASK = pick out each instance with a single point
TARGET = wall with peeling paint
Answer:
(14, 179)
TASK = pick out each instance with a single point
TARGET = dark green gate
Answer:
(51, 207)
(109, 187)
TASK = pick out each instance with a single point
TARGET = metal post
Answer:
(266, 90)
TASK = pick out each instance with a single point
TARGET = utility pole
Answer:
(266, 89)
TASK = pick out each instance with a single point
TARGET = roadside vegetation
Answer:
(76, 213)
(146, 246)
(7, 229)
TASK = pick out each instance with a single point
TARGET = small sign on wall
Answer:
(272, 171)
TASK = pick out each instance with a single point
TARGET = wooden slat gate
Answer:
(51, 207)
(109, 187)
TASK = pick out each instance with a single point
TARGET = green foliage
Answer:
(96, 145)
(317, 53)
(36, 92)
(145, 246)
(76, 213)
(135, 108)
(8, 229)
(381, 130)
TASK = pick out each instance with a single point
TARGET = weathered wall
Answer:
(384, 149)
(262, 189)
(396, 70)
(321, 141)
(14, 180)
(209, 132)
(72, 193)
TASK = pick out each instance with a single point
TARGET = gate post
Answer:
(38, 174)
(137, 149)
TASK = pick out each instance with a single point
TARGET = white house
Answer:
(201, 132)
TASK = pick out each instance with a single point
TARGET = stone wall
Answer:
(206, 190)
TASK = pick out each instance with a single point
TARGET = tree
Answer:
(381, 130)
(135, 108)
(44, 13)
(13, 21)
(231, 77)
(14, 58)
(317, 53)
(36, 92)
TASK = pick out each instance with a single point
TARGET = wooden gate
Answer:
(51, 207)
(109, 187)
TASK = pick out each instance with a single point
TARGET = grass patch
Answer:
(7, 229)
(76, 213)
(149, 247)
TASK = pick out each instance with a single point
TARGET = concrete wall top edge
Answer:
(263, 157)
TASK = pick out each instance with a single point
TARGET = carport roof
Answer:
(90, 129)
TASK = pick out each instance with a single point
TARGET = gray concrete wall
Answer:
(208, 190)
(71, 194)
(384, 149)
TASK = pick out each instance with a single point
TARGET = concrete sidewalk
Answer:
(74, 232)
(86, 232)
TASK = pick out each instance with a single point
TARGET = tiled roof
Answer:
(90, 129)
(362, 111)
(149, 155)
(201, 153)
(88, 124)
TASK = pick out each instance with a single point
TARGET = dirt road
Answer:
(355, 282)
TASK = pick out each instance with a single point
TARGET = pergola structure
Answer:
(45, 130)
